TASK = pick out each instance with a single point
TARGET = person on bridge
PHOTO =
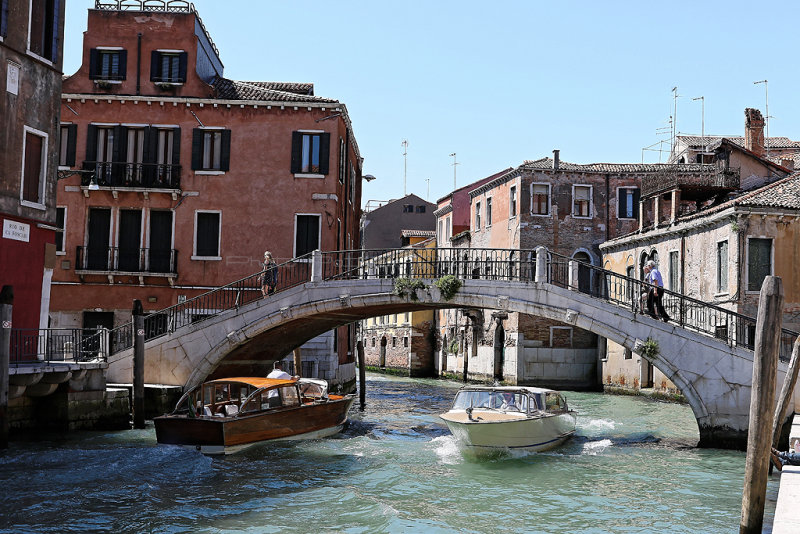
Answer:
(655, 294)
(269, 276)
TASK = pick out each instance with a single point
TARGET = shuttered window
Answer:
(540, 199)
(310, 153)
(306, 234)
(34, 166)
(61, 218)
(168, 66)
(3, 18)
(759, 262)
(477, 216)
(207, 231)
(66, 150)
(722, 267)
(628, 203)
(581, 205)
(211, 149)
(512, 203)
(43, 36)
(107, 64)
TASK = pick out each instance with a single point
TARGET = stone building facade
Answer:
(715, 236)
(188, 176)
(31, 42)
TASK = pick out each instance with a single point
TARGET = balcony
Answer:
(133, 176)
(693, 181)
(111, 261)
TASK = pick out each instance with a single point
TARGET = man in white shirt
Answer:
(655, 294)
(278, 372)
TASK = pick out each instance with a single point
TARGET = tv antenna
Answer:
(766, 113)
(404, 144)
(675, 97)
(453, 155)
(702, 100)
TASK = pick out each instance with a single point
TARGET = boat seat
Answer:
(231, 410)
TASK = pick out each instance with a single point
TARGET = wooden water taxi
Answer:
(487, 419)
(227, 415)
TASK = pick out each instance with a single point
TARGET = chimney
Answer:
(555, 159)
(788, 163)
(754, 131)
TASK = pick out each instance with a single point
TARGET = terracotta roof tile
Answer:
(267, 91)
(547, 164)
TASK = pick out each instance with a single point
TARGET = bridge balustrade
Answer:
(54, 345)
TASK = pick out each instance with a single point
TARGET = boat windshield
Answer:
(556, 402)
(496, 400)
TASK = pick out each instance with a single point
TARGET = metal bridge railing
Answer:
(58, 345)
(732, 327)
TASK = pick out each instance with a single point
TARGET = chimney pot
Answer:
(555, 159)
(754, 131)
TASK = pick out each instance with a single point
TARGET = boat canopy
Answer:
(254, 381)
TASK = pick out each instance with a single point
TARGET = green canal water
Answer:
(632, 467)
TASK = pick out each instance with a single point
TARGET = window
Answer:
(306, 234)
(61, 218)
(722, 267)
(759, 262)
(674, 269)
(66, 150)
(342, 161)
(421, 209)
(477, 216)
(207, 234)
(394, 341)
(440, 235)
(405, 341)
(3, 18)
(211, 149)
(168, 66)
(581, 195)
(512, 202)
(488, 212)
(540, 199)
(310, 153)
(108, 64)
(134, 155)
(627, 203)
(408, 208)
(43, 31)
(351, 192)
(447, 234)
(34, 167)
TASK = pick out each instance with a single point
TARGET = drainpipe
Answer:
(608, 203)
(138, 63)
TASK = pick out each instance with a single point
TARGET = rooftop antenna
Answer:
(428, 197)
(702, 100)
(675, 96)
(766, 113)
(454, 169)
(405, 163)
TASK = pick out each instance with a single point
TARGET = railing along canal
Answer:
(472, 263)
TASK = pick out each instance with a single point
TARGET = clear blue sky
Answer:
(501, 82)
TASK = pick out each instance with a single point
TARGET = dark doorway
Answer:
(161, 242)
(92, 337)
(584, 272)
(499, 349)
(97, 245)
(382, 359)
(129, 242)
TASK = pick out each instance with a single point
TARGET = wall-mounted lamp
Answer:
(368, 177)
(93, 185)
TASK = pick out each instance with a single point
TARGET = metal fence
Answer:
(58, 345)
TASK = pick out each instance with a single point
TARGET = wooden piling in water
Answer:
(362, 374)
(138, 364)
(6, 305)
(762, 401)
(298, 362)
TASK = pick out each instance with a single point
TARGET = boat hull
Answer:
(227, 435)
(491, 431)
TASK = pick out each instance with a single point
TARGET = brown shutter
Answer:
(225, 152)
(197, 149)
(72, 138)
(297, 152)
(324, 152)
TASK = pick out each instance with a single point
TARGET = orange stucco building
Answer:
(183, 178)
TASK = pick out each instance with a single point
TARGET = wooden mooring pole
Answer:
(298, 362)
(6, 305)
(762, 403)
(362, 374)
(138, 364)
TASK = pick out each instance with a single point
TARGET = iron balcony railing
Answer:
(59, 345)
(676, 176)
(132, 175)
(122, 260)
(248, 289)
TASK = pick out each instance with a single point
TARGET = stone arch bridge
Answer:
(707, 353)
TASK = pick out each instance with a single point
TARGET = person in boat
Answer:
(780, 458)
(509, 403)
(277, 372)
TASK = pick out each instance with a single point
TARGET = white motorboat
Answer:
(489, 419)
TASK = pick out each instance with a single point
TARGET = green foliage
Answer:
(448, 285)
(407, 286)
(453, 348)
(650, 348)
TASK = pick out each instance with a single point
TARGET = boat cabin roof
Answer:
(255, 381)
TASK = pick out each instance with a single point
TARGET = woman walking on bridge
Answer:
(269, 276)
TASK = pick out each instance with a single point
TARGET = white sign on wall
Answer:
(16, 230)
(12, 79)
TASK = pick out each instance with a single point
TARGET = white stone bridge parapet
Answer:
(712, 374)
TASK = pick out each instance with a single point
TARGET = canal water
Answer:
(632, 467)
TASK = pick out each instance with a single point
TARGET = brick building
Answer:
(31, 41)
(188, 176)
(715, 236)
